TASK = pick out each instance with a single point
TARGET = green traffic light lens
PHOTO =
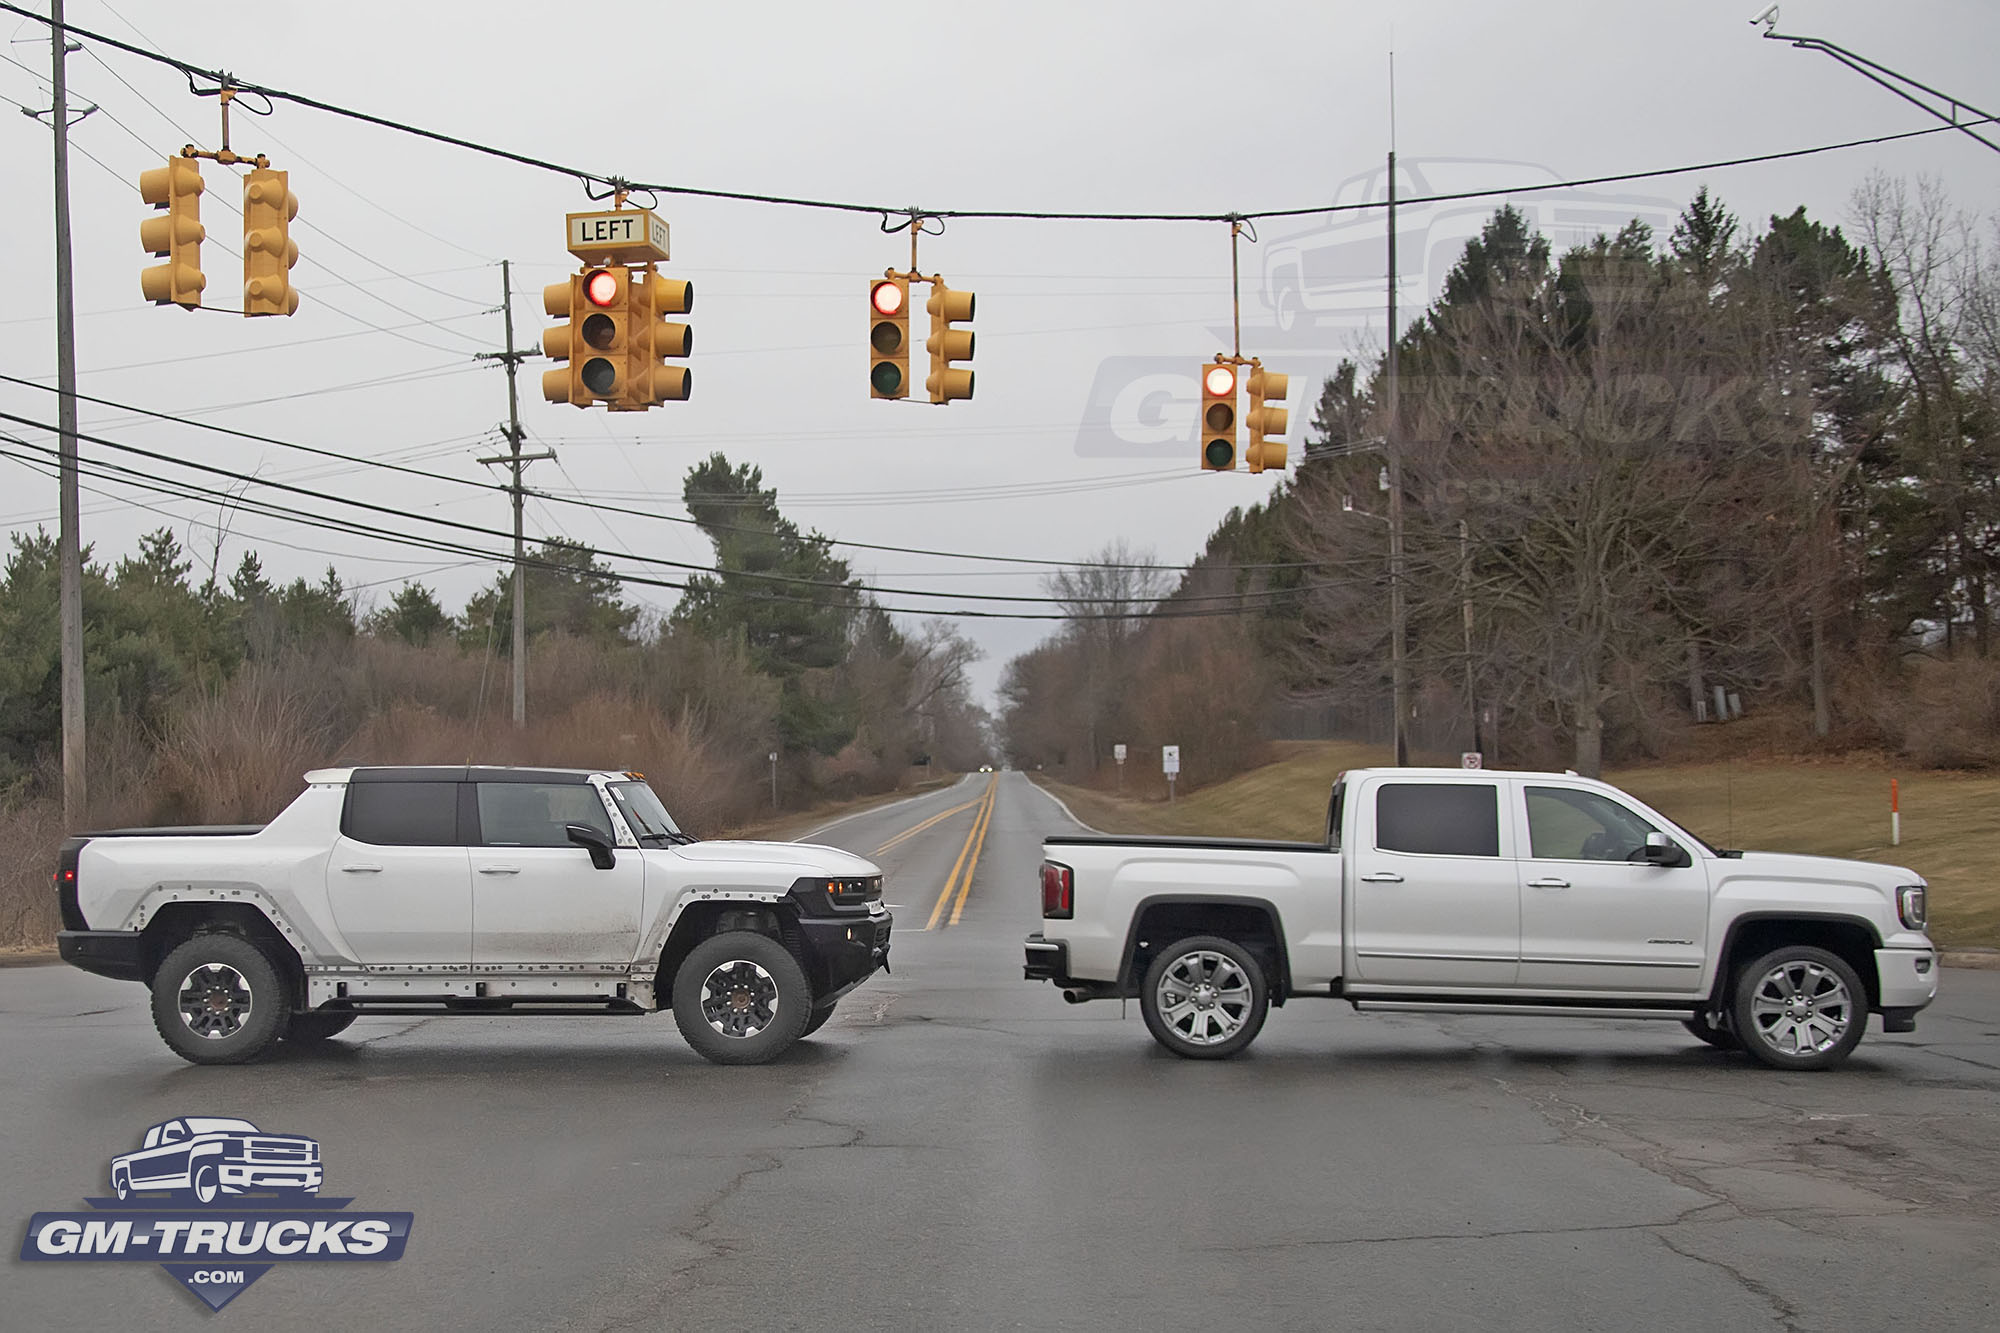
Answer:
(600, 376)
(1220, 454)
(887, 337)
(887, 378)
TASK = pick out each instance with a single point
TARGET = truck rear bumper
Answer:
(1047, 960)
(109, 953)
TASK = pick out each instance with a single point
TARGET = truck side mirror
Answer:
(1662, 851)
(583, 835)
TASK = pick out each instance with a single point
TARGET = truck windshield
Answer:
(642, 810)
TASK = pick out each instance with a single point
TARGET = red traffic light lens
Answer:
(887, 297)
(1220, 381)
(601, 288)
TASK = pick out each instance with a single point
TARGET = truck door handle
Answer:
(1382, 877)
(1548, 883)
(361, 868)
(499, 870)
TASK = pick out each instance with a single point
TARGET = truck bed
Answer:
(1215, 844)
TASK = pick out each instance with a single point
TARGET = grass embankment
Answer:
(1827, 807)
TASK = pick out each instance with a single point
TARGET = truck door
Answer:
(398, 882)
(1595, 916)
(536, 896)
(1435, 897)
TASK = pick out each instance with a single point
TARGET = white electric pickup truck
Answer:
(470, 891)
(1453, 891)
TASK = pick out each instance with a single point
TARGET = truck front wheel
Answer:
(740, 998)
(1204, 998)
(219, 1000)
(1799, 1008)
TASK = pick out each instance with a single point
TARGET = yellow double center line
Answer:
(912, 832)
(968, 860)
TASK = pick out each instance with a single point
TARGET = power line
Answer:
(590, 179)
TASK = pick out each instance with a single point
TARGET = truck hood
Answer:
(1792, 865)
(805, 857)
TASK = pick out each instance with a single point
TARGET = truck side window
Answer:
(1565, 824)
(532, 814)
(402, 814)
(1438, 818)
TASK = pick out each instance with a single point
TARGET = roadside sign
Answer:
(1118, 753)
(1471, 759)
(624, 236)
(1170, 759)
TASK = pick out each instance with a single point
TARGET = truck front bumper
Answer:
(271, 1176)
(848, 949)
(109, 953)
(1908, 980)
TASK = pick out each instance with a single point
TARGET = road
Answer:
(958, 1149)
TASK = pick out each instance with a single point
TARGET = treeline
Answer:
(209, 697)
(1644, 483)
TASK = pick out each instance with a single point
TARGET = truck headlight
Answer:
(1910, 905)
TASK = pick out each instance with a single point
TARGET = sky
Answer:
(1089, 334)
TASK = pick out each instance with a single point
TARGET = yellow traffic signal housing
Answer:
(889, 337)
(268, 248)
(650, 380)
(175, 235)
(560, 300)
(1267, 417)
(1218, 417)
(947, 344)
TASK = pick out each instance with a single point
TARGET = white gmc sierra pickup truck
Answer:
(470, 891)
(1443, 890)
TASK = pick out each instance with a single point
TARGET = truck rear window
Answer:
(1438, 818)
(402, 814)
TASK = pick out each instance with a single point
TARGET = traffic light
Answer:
(1218, 417)
(947, 344)
(889, 338)
(268, 248)
(1267, 417)
(652, 381)
(597, 340)
(175, 235)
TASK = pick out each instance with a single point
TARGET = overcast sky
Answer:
(1089, 333)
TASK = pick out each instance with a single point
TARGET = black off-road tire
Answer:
(218, 999)
(1799, 1007)
(1719, 1036)
(740, 998)
(1204, 998)
(312, 1028)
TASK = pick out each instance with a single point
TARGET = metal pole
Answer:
(1465, 598)
(75, 789)
(514, 441)
(1398, 669)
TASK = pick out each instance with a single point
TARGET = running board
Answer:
(1536, 1010)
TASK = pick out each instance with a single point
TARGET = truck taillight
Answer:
(1058, 890)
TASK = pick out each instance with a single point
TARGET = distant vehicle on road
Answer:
(209, 1156)
(1455, 891)
(470, 891)
(1340, 268)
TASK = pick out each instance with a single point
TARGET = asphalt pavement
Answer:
(959, 1149)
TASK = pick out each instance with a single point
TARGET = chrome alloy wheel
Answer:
(1205, 997)
(739, 999)
(1801, 1008)
(215, 1001)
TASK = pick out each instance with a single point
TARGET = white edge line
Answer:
(1060, 805)
(879, 809)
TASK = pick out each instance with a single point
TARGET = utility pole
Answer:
(1399, 669)
(70, 612)
(515, 460)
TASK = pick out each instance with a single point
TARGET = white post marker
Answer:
(1118, 753)
(1170, 763)
(1895, 815)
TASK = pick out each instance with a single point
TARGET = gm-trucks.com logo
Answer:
(218, 1203)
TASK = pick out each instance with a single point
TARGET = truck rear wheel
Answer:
(1204, 998)
(219, 1000)
(1799, 1007)
(740, 998)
